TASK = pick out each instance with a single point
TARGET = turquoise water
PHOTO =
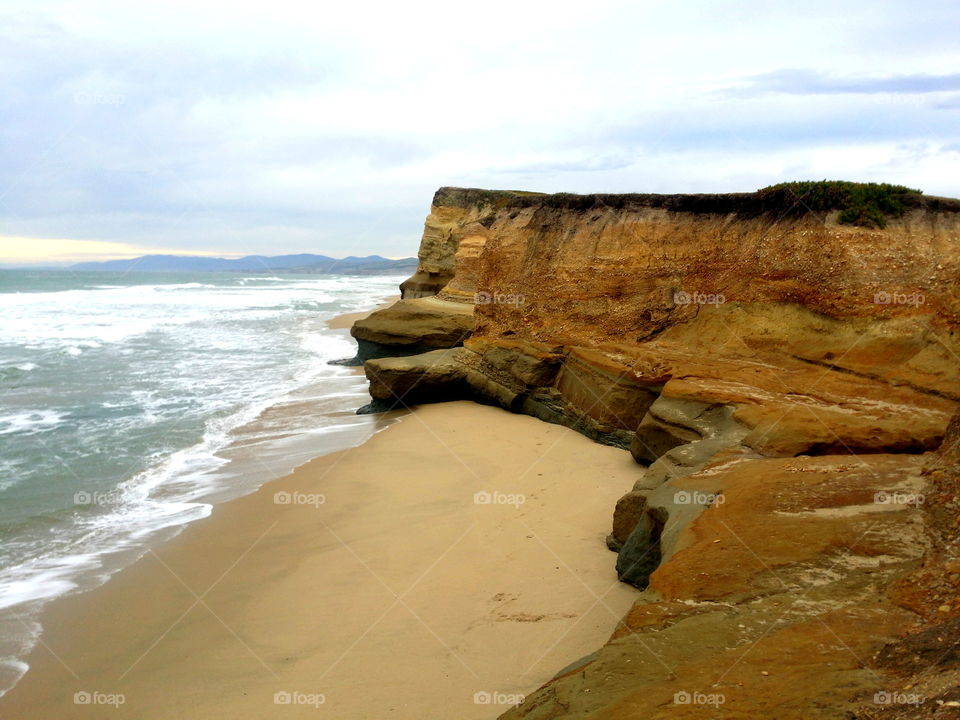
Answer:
(130, 403)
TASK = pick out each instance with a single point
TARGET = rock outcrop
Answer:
(409, 327)
(784, 383)
(771, 607)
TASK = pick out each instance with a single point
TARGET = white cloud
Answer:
(288, 126)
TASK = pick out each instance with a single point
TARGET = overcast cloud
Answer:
(252, 127)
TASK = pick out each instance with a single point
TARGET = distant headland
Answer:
(301, 263)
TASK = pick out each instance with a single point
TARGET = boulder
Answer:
(641, 553)
(404, 381)
(626, 515)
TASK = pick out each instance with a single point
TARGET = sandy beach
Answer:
(372, 582)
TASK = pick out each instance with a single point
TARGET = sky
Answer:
(234, 128)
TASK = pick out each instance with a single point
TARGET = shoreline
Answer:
(318, 598)
(256, 450)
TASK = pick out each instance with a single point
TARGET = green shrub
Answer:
(863, 204)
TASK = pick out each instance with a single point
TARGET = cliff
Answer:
(782, 378)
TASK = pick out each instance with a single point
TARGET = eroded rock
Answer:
(771, 599)
(409, 327)
(761, 368)
(434, 376)
(626, 515)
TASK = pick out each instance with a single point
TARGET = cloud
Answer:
(812, 82)
(253, 128)
(578, 165)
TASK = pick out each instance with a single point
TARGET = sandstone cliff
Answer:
(778, 377)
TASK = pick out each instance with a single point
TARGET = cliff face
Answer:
(454, 235)
(623, 294)
(436, 306)
(761, 353)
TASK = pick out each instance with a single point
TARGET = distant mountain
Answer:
(303, 263)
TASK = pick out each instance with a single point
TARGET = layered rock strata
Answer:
(777, 376)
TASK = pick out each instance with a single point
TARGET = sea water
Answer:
(131, 403)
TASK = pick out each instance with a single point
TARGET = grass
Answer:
(862, 204)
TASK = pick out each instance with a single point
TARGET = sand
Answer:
(381, 589)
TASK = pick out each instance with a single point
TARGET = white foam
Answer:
(176, 489)
(327, 347)
(11, 670)
(30, 584)
(29, 422)
(109, 314)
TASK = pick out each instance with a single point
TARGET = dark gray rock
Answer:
(640, 554)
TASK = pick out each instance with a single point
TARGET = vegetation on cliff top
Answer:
(863, 204)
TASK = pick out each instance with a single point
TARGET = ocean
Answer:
(130, 404)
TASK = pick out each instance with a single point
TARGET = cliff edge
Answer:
(782, 365)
